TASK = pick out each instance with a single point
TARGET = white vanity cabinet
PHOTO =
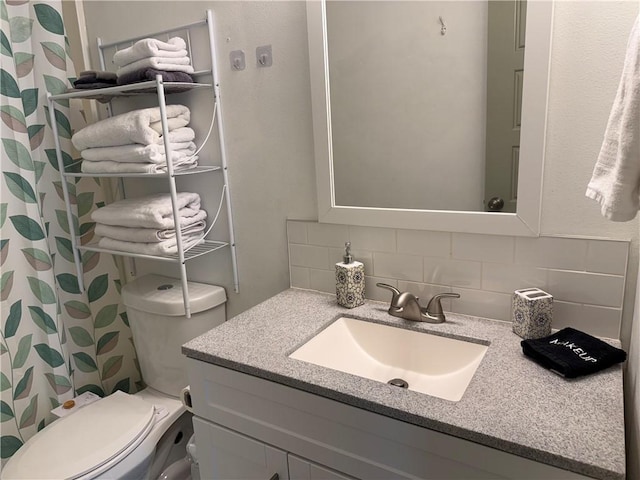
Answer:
(302, 469)
(248, 427)
(232, 455)
(227, 454)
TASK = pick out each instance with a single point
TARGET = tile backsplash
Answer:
(585, 276)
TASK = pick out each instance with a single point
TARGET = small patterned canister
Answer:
(532, 313)
(349, 280)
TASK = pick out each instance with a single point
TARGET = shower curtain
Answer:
(57, 342)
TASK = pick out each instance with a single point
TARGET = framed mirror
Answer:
(405, 97)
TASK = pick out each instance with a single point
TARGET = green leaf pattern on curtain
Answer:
(56, 342)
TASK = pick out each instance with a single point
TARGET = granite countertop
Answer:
(511, 404)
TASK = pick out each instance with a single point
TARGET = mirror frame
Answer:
(526, 220)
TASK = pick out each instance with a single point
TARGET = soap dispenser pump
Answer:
(349, 280)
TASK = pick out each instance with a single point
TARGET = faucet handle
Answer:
(394, 290)
(434, 307)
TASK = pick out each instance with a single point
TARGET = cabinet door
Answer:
(302, 469)
(224, 454)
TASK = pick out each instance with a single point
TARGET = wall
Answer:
(632, 397)
(408, 104)
(586, 277)
(589, 40)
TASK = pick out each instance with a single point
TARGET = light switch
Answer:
(264, 57)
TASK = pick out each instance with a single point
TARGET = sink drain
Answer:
(398, 382)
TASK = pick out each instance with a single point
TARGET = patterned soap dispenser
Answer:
(349, 280)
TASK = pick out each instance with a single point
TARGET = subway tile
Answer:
(373, 292)
(322, 280)
(586, 277)
(567, 314)
(296, 231)
(606, 321)
(327, 234)
(551, 252)
(457, 273)
(599, 321)
(507, 278)
(336, 254)
(482, 304)
(419, 242)
(373, 238)
(309, 256)
(607, 257)
(299, 277)
(583, 287)
(425, 292)
(485, 248)
(402, 267)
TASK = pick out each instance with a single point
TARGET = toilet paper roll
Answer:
(185, 396)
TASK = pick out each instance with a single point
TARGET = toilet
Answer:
(132, 436)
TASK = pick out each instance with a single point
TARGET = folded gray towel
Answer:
(100, 75)
(95, 79)
(146, 74)
(92, 85)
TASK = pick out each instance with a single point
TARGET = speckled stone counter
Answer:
(511, 403)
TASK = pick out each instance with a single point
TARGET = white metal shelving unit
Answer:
(157, 87)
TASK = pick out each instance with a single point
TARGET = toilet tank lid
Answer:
(163, 295)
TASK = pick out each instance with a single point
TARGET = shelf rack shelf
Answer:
(208, 246)
(161, 89)
(133, 89)
(176, 173)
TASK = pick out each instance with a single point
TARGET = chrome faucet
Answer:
(406, 305)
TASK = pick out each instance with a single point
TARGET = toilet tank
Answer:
(157, 318)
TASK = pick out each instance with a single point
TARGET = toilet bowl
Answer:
(131, 436)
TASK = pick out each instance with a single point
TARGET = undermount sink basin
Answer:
(431, 364)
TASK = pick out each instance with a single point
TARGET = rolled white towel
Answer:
(137, 153)
(165, 247)
(150, 47)
(159, 63)
(178, 134)
(138, 126)
(151, 211)
(184, 162)
(146, 235)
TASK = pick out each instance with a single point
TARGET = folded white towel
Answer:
(615, 183)
(184, 162)
(165, 247)
(137, 153)
(166, 64)
(138, 126)
(151, 211)
(150, 47)
(146, 235)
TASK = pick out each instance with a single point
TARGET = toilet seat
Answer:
(86, 443)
